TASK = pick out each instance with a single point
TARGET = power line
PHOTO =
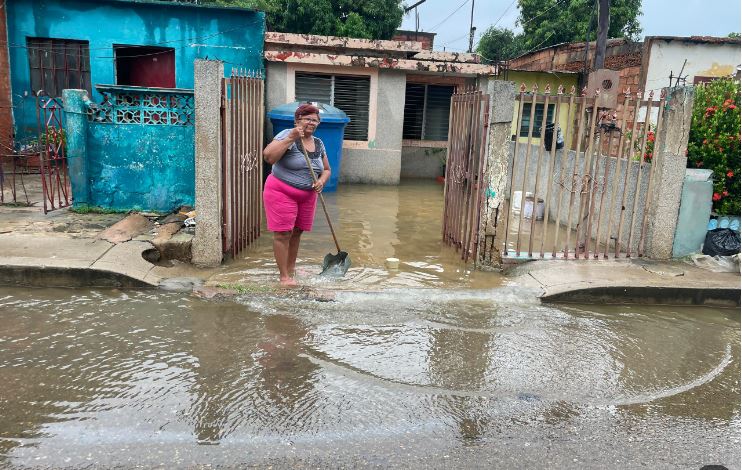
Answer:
(543, 12)
(449, 16)
(194, 38)
(503, 13)
(522, 53)
(495, 23)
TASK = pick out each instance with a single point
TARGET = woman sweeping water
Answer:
(290, 195)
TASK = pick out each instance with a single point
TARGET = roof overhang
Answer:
(353, 52)
(380, 63)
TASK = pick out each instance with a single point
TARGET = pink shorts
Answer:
(287, 207)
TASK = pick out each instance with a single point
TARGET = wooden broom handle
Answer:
(321, 198)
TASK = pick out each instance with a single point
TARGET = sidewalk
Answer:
(641, 281)
(66, 249)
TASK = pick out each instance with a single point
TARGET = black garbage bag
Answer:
(549, 135)
(721, 242)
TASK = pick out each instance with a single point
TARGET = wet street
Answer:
(427, 366)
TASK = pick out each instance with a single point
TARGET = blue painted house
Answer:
(135, 60)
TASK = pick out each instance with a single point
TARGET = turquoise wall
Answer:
(232, 35)
(137, 167)
(133, 162)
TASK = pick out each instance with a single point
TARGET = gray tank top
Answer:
(292, 167)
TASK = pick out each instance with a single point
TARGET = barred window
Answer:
(538, 118)
(348, 93)
(426, 111)
(57, 64)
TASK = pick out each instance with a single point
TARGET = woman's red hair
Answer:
(305, 110)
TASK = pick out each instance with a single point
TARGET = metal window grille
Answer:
(57, 64)
(349, 93)
(426, 113)
(537, 119)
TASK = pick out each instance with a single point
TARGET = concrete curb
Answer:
(648, 295)
(31, 261)
(630, 282)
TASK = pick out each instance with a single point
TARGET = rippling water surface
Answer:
(431, 365)
(403, 377)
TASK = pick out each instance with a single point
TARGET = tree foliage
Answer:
(369, 19)
(498, 44)
(549, 22)
(714, 141)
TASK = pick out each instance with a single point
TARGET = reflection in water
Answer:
(405, 368)
(222, 346)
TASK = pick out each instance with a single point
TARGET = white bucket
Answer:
(528, 209)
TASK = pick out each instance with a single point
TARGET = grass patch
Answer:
(243, 289)
(96, 210)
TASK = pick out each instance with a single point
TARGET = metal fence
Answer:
(589, 199)
(242, 163)
(52, 144)
(465, 163)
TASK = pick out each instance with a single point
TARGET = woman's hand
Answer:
(297, 132)
(318, 186)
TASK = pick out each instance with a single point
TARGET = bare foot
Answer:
(289, 282)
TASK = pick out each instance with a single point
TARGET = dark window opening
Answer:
(58, 64)
(426, 111)
(537, 119)
(349, 93)
(145, 66)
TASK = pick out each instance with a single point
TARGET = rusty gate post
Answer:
(670, 159)
(207, 244)
(497, 171)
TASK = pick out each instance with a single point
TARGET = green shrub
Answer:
(714, 142)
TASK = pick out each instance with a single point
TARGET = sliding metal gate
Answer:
(589, 202)
(464, 192)
(242, 163)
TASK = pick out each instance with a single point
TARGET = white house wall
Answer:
(704, 59)
(379, 162)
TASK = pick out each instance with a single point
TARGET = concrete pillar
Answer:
(669, 171)
(207, 244)
(502, 102)
(76, 136)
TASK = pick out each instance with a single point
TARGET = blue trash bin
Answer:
(331, 128)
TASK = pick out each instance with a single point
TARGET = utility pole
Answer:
(471, 28)
(604, 21)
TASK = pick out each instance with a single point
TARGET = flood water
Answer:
(372, 223)
(430, 366)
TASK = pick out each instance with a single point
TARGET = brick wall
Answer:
(425, 38)
(620, 54)
(6, 116)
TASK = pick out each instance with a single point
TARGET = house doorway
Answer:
(145, 66)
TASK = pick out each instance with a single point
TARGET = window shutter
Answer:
(437, 109)
(314, 87)
(352, 96)
(57, 64)
(414, 107)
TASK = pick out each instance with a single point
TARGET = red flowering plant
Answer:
(648, 147)
(714, 141)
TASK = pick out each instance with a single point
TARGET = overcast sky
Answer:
(659, 18)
